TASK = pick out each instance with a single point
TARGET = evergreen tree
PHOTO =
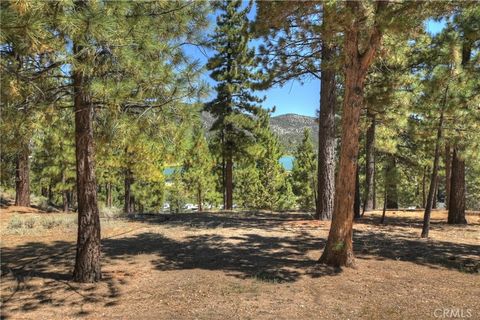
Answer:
(117, 63)
(261, 181)
(271, 173)
(197, 170)
(372, 19)
(29, 63)
(301, 42)
(53, 165)
(304, 173)
(235, 107)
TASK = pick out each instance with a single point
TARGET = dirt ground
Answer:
(244, 266)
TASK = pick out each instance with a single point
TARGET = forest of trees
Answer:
(98, 98)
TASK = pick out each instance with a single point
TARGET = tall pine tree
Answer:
(235, 107)
(304, 173)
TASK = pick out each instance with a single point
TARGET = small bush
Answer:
(20, 224)
(15, 223)
(29, 223)
(112, 212)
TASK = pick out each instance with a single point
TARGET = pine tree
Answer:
(304, 173)
(374, 20)
(53, 165)
(465, 31)
(234, 107)
(28, 64)
(301, 43)
(271, 173)
(117, 63)
(197, 170)
(261, 181)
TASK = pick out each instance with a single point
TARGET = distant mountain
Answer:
(289, 128)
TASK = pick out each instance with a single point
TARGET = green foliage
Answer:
(233, 67)
(262, 182)
(304, 173)
(197, 173)
(177, 195)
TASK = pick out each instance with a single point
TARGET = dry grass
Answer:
(245, 266)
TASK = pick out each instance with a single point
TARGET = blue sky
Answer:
(293, 97)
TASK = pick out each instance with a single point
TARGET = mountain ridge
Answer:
(288, 127)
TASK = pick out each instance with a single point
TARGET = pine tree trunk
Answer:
(199, 199)
(64, 193)
(74, 201)
(224, 180)
(326, 137)
(87, 261)
(65, 200)
(433, 179)
(382, 220)
(50, 193)
(448, 174)
(435, 195)
(229, 183)
(339, 247)
(391, 182)
(71, 205)
(22, 177)
(127, 207)
(456, 211)
(356, 205)
(108, 189)
(424, 188)
(457, 200)
(370, 164)
(374, 188)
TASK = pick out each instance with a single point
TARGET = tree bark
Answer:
(382, 220)
(433, 179)
(87, 261)
(448, 173)
(424, 187)
(128, 203)
(50, 193)
(229, 183)
(199, 199)
(370, 164)
(22, 177)
(108, 189)
(374, 188)
(64, 193)
(391, 182)
(356, 205)
(456, 210)
(44, 191)
(435, 195)
(339, 247)
(326, 136)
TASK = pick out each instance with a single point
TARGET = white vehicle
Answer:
(190, 206)
(166, 206)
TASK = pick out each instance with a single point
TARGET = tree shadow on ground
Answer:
(45, 270)
(432, 253)
(397, 219)
(276, 259)
(273, 258)
(209, 220)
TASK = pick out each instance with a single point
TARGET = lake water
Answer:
(285, 161)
